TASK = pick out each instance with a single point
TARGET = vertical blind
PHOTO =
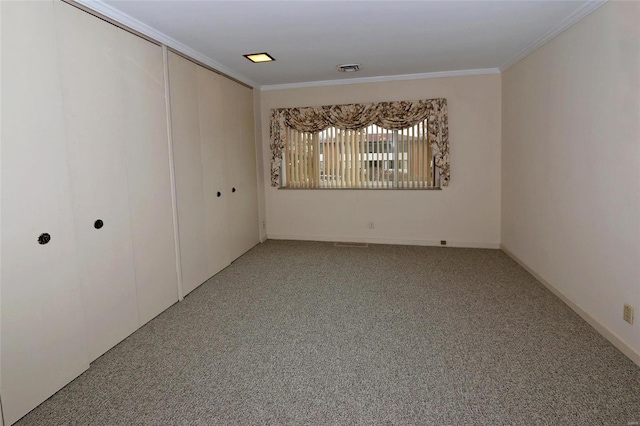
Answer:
(372, 157)
(394, 144)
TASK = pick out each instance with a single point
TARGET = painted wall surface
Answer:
(571, 164)
(466, 213)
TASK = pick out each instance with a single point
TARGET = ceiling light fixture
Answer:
(348, 67)
(259, 57)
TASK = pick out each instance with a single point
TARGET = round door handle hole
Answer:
(233, 190)
(219, 193)
(98, 224)
(44, 238)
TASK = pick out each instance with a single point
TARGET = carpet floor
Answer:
(309, 333)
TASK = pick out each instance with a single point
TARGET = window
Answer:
(384, 145)
(372, 157)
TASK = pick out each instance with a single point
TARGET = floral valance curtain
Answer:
(389, 115)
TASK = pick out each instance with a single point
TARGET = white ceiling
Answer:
(389, 38)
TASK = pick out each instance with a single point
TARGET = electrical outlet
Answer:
(372, 225)
(627, 314)
(264, 224)
(443, 242)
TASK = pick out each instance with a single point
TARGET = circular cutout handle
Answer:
(44, 238)
(98, 224)
(219, 193)
(233, 190)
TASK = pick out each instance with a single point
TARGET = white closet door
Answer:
(213, 158)
(231, 131)
(187, 154)
(43, 341)
(147, 153)
(240, 154)
(249, 231)
(89, 60)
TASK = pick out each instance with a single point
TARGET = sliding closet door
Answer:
(241, 174)
(147, 154)
(249, 232)
(216, 192)
(185, 123)
(43, 341)
(89, 61)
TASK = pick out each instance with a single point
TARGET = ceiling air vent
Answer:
(349, 67)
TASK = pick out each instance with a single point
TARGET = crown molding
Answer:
(134, 24)
(379, 79)
(570, 20)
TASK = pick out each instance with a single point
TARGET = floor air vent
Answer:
(360, 245)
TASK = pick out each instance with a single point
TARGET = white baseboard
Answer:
(612, 337)
(404, 242)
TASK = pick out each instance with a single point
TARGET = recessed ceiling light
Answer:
(259, 57)
(348, 67)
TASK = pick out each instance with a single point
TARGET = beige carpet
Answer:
(309, 333)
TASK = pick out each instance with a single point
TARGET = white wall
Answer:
(466, 213)
(571, 166)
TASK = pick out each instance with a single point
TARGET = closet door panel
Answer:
(183, 83)
(213, 158)
(230, 127)
(240, 154)
(231, 134)
(88, 49)
(149, 185)
(249, 231)
(43, 339)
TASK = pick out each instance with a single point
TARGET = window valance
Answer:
(390, 115)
